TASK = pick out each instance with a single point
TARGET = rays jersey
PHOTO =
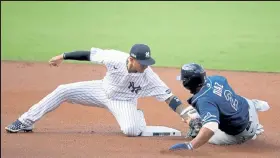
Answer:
(218, 102)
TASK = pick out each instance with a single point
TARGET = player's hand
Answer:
(181, 146)
(56, 61)
(186, 121)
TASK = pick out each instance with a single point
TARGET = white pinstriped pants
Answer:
(131, 120)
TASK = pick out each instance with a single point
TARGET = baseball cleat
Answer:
(254, 137)
(259, 130)
(17, 126)
(261, 105)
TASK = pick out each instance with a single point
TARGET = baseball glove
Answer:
(194, 127)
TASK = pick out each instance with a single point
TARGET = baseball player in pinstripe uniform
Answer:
(128, 78)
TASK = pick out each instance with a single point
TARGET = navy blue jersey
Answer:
(217, 102)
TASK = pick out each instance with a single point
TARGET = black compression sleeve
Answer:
(77, 55)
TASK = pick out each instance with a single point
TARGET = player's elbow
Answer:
(213, 126)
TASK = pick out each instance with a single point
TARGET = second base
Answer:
(152, 131)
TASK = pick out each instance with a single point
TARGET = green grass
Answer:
(219, 35)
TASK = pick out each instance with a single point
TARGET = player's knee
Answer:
(212, 141)
(223, 141)
(132, 131)
(62, 90)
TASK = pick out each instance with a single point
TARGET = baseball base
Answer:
(153, 131)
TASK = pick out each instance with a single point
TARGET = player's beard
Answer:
(130, 68)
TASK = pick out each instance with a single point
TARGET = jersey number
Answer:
(233, 102)
(218, 90)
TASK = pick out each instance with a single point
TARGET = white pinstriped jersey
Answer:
(121, 85)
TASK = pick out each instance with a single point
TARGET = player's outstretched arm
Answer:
(76, 55)
(186, 112)
(203, 137)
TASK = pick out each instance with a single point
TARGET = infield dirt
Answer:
(82, 131)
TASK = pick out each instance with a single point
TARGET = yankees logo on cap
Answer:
(142, 54)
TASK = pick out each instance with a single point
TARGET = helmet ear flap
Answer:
(193, 82)
(186, 84)
(193, 77)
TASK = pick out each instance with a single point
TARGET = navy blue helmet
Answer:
(192, 76)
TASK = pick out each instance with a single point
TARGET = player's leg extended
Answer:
(86, 93)
(130, 120)
(221, 138)
(261, 106)
(255, 128)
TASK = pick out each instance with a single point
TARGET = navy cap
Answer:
(142, 54)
